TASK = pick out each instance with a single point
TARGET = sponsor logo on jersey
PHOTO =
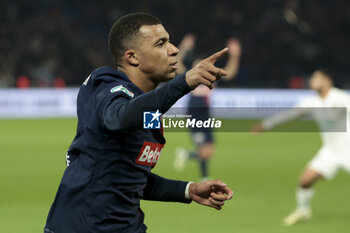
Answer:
(149, 154)
(123, 89)
(151, 120)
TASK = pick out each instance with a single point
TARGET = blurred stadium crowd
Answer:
(57, 43)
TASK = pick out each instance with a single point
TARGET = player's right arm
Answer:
(205, 72)
(122, 112)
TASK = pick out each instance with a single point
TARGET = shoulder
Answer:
(107, 76)
(106, 84)
(102, 76)
(107, 81)
(340, 92)
(340, 95)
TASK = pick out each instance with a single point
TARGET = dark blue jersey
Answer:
(198, 107)
(111, 157)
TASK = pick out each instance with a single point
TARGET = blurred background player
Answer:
(335, 152)
(198, 106)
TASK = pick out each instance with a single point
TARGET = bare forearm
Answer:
(232, 67)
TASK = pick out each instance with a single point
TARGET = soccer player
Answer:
(335, 152)
(198, 108)
(110, 159)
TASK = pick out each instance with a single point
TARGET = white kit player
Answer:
(330, 109)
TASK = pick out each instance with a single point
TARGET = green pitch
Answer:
(262, 170)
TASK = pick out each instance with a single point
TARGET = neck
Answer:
(324, 91)
(140, 79)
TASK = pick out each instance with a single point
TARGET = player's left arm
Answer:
(162, 189)
(212, 193)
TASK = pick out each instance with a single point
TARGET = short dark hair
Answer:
(125, 29)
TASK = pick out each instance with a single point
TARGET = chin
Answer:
(170, 76)
(165, 77)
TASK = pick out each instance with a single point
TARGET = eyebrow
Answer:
(162, 39)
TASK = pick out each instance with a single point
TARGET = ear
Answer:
(131, 57)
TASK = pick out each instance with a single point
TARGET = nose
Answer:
(172, 50)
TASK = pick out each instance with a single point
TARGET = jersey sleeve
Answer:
(107, 93)
(161, 189)
(123, 113)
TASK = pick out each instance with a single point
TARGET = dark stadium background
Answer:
(281, 39)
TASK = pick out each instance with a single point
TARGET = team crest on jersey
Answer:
(123, 89)
(149, 154)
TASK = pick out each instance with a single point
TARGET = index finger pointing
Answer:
(213, 58)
